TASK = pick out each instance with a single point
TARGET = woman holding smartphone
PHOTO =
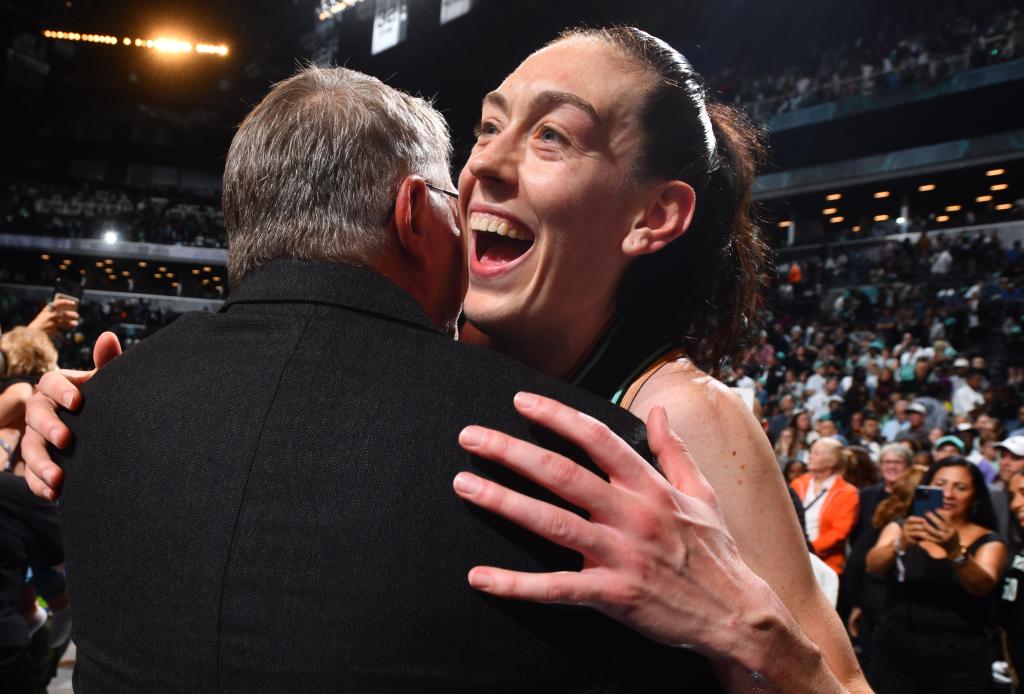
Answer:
(941, 570)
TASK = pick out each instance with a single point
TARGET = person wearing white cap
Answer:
(968, 398)
(917, 415)
(1011, 457)
(897, 423)
(1010, 462)
(958, 377)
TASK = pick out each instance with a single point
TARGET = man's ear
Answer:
(411, 204)
(665, 218)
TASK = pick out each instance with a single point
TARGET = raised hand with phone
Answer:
(941, 564)
(949, 520)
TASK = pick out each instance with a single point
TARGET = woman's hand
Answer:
(657, 555)
(943, 532)
(934, 528)
(59, 315)
(44, 476)
(915, 531)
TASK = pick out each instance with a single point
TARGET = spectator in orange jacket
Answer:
(830, 503)
(796, 275)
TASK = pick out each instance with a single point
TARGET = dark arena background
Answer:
(891, 197)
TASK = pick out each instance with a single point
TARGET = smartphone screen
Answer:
(68, 289)
(926, 499)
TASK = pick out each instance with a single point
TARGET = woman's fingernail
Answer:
(478, 579)
(54, 435)
(471, 436)
(526, 401)
(466, 484)
(68, 399)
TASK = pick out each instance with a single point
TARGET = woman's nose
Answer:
(495, 163)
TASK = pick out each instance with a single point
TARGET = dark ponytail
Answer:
(703, 290)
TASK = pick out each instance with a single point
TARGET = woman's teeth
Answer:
(479, 221)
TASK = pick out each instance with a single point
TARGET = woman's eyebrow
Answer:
(547, 98)
(496, 99)
(553, 97)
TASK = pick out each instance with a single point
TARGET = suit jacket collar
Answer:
(330, 283)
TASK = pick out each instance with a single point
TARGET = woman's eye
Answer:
(485, 129)
(550, 135)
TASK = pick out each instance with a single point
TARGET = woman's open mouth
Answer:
(498, 243)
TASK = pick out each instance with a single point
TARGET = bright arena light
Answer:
(172, 46)
(160, 44)
(218, 49)
(110, 236)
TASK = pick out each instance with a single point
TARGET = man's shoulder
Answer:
(485, 372)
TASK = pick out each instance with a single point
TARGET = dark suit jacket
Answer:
(260, 500)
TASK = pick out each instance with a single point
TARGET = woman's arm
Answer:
(12, 405)
(983, 570)
(734, 455)
(980, 572)
(657, 554)
(882, 556)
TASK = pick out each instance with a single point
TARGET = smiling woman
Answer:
(612, 244)
(607, 192)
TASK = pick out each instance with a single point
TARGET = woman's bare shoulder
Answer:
(680, 384)
(718, 427)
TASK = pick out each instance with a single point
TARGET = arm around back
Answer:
(734, 455)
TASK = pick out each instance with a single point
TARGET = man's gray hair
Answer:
(313, 170)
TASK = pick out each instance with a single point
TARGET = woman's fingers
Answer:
(41, 417)
(44, 477)
(541, 518)
(601, 444)
(558, 474)
(674, 458)
(935, 522)
(62, 386)
(107, 347)
(568, 587)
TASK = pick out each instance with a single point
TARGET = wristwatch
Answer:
(961, 557)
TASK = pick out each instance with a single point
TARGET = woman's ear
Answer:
(665, 218)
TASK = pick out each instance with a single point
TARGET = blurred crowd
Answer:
(952, 38)
(132, 319)
(86, 211)
(882, 370)
(951, 257)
